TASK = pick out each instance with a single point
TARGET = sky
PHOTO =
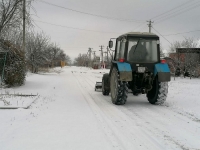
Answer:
(77, 25)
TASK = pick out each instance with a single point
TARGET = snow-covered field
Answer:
(67, 114)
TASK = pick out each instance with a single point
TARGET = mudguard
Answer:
(163, 72)
(125, 71)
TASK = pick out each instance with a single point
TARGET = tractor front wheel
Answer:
(105, 84)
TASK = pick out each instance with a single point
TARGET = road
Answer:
(69, 114)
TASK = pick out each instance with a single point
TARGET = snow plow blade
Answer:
(98, 86)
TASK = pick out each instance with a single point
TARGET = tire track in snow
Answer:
(184, 113)
(155, 129)
(115, 142)
(167, 125)
(159, 132)
(122, 125)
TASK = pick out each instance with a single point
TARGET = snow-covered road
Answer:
(69, 114)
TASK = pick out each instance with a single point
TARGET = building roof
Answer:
(188, 50)
(139, 34)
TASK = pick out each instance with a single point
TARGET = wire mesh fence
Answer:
(2, 65)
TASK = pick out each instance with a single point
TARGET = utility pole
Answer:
(107, 54)
(94, 60)
(150, 25)
(90, 51)
(101, 54)
(24, 16)
(94, 55)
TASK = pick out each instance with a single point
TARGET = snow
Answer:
(67, 113)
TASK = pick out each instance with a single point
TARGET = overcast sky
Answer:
(76, 25)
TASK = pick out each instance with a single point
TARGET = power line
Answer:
(105, 31)
(119, 19)
(172, 9)
(84, 29)
(162, 36)
(139, 26)
(162, 18)
(75, 28)
(149, 25)
(111, 32)
(181, 33)
(177, 13)
(172, 15)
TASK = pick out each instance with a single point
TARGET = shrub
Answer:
(15, 68)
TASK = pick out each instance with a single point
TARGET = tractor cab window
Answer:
(120, 49)
(142, 50)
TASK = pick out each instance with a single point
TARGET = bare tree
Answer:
(190, 62)
(11, 15)
(161, 51)
(11, 37)
(52, 53)
(36, 50)
(68, 59)
(63, 57)
(42, 53)
(174, 45)
(186, 43)
(81, 60)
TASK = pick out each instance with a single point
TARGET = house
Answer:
(186, 59)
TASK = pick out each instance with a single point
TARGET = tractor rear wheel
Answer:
(158, 94)
(118, 89)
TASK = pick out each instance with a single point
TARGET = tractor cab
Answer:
(140, 50)
(137, 47)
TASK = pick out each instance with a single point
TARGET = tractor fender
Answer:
(125, 71)
(163, 72)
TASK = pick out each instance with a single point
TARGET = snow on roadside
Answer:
(12, 101)
(58, 119)
(61, 118)
(184, 97)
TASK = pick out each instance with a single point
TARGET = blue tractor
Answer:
(137, 67)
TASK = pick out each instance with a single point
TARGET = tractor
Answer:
(136, 67)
